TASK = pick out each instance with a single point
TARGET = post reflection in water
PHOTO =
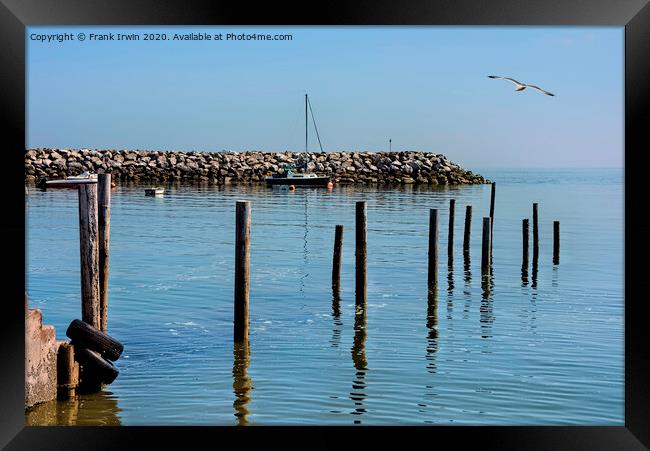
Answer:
(450, 289)
(487, 316)
(358, 394)
(336, 318)
(432, 343)
(305, 251)
(467, 278)
(241, 382)
(432, 333)
(524, 273)
(92, 409)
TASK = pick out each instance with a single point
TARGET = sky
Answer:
(424, 88)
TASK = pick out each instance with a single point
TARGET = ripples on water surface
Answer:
(547, 349)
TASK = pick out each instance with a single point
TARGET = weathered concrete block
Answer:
(40, 359)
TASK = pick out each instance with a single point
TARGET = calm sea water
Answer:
(543, 349)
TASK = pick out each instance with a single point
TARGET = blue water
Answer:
(545, 350)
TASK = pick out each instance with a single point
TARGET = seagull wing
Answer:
(540, 89)
(505, 78)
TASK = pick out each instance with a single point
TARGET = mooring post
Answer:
(492, 198)
(524, 237)
(336, 260)
(535, 232)
(556, 242)
(450, 240)
(433, 250)
(485, 249)
(242, 268)
(104, 215)
(67, 371)
(468, 229)
(360, 254)
(89, 246)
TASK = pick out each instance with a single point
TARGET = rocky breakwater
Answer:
(248, 167)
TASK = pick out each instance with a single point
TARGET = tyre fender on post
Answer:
(87, 336)
(94, 365)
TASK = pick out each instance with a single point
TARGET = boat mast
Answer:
(306, 127)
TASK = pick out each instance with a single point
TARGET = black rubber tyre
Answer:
(94, 365)
(92, 338)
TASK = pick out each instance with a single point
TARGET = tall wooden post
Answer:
(468, 229)
(556, 242)
(242, 268)
(104, 216)
(433, 250)
(492, 199)
(485, 249)
(524, 236)
(450, 241)
(360, 254)
(336, 260)
(535, 232)
(89, 246)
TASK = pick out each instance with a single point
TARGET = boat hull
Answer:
(296, 181)
(68, 183)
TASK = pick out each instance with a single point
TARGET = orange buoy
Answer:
(292, 187)
(330, 185)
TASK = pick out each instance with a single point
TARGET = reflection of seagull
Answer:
(521, 86)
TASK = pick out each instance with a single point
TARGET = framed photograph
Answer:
(287, 230)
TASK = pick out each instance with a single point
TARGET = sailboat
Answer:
(288, 177)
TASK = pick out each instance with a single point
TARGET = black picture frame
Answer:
(634, 15)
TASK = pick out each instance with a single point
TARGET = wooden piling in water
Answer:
(104, 228)
(242, 268)
(450, 240)
(67, 371)
(433, 250)
(524, 235)
(89, 246)
(556, 242)
(360, 254)
(535, 231)
(336, 260)
(492, 199)
(485, 248)
(468, 229)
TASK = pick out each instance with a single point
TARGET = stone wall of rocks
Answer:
(248, 167)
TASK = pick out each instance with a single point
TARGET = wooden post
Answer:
(524, 260)
(535, 231)
(485, 254)
(104, 215)
(468, 227)
(492, 198)
(89, 246)
(450, 241)
(360, 254)
(242, 268)
(556, 242)
(525, 234)
(336, 260)
(67, 371)
(433, 250)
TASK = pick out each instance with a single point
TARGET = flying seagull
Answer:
(522, 86)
